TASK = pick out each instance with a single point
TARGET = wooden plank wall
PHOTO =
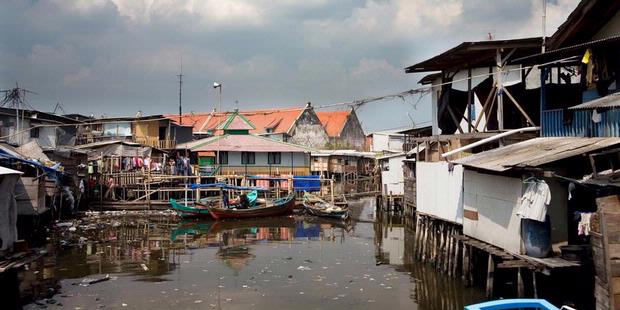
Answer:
(606, 250)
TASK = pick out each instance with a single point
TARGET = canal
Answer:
(158, 262)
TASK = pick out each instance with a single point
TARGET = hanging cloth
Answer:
(535, 200)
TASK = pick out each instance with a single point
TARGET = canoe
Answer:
(277, 207)
(517, 303)
(319, 207)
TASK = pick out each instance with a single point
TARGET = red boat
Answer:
(277, 207)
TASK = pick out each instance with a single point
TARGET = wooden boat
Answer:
(517, 303)
(192, 209)
(277, 207)
(189, 210)
(319, 207)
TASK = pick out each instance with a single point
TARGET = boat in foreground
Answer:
(319, 207)
(192, 209)
(277, 207)
(519, 303)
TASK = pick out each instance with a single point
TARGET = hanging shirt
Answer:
(533, 204)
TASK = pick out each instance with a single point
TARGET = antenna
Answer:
(14, 98)
(60, 107)
(181, 92)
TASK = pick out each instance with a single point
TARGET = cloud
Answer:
(120, 56)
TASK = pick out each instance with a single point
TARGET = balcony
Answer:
(156, 143)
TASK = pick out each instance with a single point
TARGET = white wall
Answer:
(440, 191)
(494, 198)
(261, 159)
(387, 142)
(393, 180)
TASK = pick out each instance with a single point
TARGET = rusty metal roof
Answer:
(609, 101)
(535, 152)
(584, 22)
(474, 54)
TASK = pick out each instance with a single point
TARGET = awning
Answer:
(535, 152)
(206, 154)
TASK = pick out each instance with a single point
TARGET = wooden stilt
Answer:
(465, 275)
(534, 286)
(490, 276)
(520, 288)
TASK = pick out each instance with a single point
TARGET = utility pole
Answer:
(181, 93)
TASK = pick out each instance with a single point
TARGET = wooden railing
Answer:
(154, 142)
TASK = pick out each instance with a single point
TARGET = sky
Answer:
(118, 57)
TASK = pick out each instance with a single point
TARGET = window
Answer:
(247, 158)
(223, 158)
(34, 132)
(274, 158)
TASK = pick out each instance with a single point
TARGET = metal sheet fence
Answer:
(557, 123)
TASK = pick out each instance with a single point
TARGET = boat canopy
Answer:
(228, 186)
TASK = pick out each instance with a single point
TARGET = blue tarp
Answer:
(308, 183)
(49, 170)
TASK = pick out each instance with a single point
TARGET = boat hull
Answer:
(279, 207)
(341, 215)
(188, 211)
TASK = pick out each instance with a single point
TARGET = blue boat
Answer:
(520, 303)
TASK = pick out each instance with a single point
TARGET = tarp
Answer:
(309, 183)
(33, 150)
(7, 154)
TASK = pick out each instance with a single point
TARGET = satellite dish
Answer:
(216, 85)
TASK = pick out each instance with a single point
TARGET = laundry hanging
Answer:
(536, 198)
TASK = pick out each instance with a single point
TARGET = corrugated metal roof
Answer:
(609, 101)
(242, 143)
(352, 153)
(535, 152)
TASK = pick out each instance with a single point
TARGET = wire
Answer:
(425, 89)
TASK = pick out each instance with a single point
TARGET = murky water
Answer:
(276, 263)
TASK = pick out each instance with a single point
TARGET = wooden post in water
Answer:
(465, 276)
(520, 288)
(490, 276)
(331, 185)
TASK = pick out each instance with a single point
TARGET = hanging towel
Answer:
(533, 204)
(583, 228)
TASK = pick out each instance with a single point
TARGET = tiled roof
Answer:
(334, 121)
(236, 121)
(277, 120)
(239, 143)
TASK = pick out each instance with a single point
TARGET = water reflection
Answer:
(284, 262)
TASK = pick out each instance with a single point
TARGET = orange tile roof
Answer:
(279, 120)
(333, 121)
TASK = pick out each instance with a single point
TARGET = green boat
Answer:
(188, 210)
(192, 209)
